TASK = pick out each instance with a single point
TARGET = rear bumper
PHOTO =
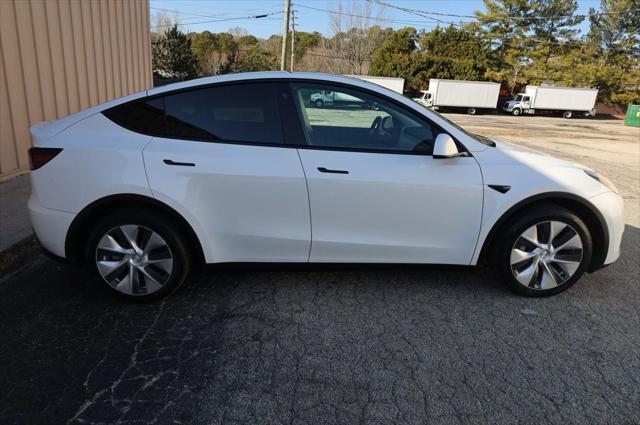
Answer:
(50, 226)
(611, 206)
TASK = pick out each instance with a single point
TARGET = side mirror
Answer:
(445, 147)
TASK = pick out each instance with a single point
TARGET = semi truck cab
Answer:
(520, 104)
(426, 99)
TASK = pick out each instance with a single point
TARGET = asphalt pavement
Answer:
(316, 345)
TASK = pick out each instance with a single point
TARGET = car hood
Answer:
(531, 157)
(530, 172)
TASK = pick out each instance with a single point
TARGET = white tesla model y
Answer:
(247, 168)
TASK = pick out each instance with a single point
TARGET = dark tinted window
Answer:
(236, 113)
(146, 116)
(343, 118)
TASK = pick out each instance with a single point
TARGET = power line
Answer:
(399, 21)
(217, 15)
(412, 11)
(264, 15)
(422, 13)
(529, 40)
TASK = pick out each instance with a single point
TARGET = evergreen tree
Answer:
(172, 55)
(552, 23)
(504, 24)
(453, 54)
(395, 57)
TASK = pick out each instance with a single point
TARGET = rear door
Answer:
(376, 192)
(222, 163)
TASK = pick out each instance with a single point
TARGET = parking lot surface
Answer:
(315, 345)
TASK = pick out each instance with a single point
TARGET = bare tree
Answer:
(161, 21)
(356, 35)
(238, 32)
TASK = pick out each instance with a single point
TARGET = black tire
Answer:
(319, 103)
(567, 114)
(511, 231)
(172, 234)
(516, 112)
(471, 111)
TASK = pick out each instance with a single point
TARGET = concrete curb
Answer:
(17, 255)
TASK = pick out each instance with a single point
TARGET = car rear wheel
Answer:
(471, 111)
(567, 114)
(319, 103)
(139, 254)
(544, 252)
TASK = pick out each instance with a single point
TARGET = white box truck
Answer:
(323, 98)
(392, 83)
(566, 100)
(458, 94)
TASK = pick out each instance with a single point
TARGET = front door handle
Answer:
(327, 170)
(181, 164)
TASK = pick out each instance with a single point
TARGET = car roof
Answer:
(264, 75)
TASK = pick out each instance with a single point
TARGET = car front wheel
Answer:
(138, 254)
(544, 252)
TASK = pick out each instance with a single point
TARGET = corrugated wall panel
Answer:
(60, 56)
(15, 82)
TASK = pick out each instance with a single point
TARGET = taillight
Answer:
(40, 156)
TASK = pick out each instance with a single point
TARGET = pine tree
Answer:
(553, 22)
(172, 55)
(504, 24)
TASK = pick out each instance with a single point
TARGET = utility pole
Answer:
(285, 34)
(293, 36)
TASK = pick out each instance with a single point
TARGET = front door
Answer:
(376, 193)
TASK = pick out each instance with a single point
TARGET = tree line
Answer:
(515, 42)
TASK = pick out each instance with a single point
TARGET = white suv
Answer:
(244, 168)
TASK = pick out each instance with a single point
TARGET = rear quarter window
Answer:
(246, 112)
(143, 116)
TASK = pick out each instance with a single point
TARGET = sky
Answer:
(196, 15)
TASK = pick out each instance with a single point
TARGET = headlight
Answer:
(602, 179)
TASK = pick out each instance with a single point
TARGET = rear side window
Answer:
(235, 113)
(146, 116)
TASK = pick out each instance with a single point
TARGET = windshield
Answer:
(482, 139)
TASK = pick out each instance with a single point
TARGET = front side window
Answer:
(343, 118)
(235, 113)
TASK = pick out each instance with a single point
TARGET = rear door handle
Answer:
(181, 164)
(327, 170)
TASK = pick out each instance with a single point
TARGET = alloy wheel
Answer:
(134, 259)
(546, 255)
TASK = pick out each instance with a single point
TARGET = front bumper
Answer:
(611, 206)
(50, 226)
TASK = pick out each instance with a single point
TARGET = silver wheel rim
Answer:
(134, 259)
(546, 255)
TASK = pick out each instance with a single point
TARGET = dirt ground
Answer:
(605, 145)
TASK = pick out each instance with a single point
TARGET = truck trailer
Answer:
(392, 83)
(568, 101)
(458, 94)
